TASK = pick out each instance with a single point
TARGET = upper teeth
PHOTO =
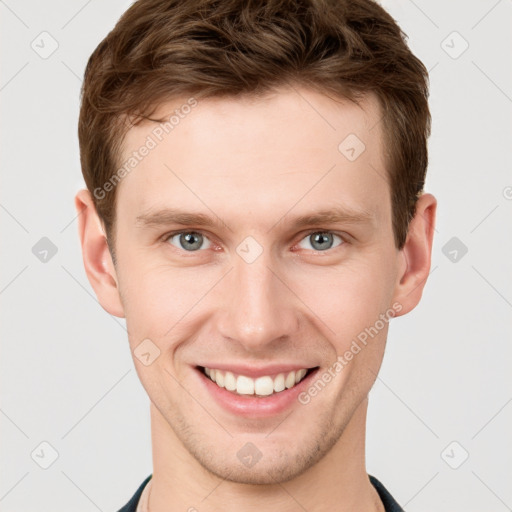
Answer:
(263, 386)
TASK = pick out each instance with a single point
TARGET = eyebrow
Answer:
(168, 216)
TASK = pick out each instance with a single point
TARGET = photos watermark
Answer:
(343, 360)
(157, 135)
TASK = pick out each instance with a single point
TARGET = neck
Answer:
(337, 482)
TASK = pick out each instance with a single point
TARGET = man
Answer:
(222, 144)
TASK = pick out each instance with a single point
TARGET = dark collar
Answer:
(389, 502)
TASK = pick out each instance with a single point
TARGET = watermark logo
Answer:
(249, 454)
(454, 249)
(44, 250)
(455, 455)
(249, 249)
(351, 147)
(45, 45)
(44, 455)
(454, 45)
(146, 352)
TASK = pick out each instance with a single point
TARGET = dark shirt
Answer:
(389, 502)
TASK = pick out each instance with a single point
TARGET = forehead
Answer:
(292, 148)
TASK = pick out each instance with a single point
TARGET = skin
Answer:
(252, 163)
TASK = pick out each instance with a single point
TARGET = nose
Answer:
(259, 310)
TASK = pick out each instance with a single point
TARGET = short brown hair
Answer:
(163, 49)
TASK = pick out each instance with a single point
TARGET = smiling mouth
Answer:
(266, 385)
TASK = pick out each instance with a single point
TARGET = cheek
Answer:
(347, 298)
(161, 303)
(160, 300)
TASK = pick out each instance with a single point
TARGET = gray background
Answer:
(444, 391)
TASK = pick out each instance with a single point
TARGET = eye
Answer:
(321, 240)
(190, 241)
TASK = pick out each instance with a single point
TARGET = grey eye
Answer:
(321, 240)
(189, 240)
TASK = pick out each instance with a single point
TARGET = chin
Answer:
(262, 462)
(271, 472)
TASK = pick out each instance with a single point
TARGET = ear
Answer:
(98, 263)
(415, 256)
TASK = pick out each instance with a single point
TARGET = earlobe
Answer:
(415, 256)
(96, 256)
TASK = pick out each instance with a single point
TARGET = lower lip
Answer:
(252, 406)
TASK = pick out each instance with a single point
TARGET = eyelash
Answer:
(343, 238)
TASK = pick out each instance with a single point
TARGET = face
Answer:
(255, 240)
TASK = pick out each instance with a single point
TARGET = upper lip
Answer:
(257, 371)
